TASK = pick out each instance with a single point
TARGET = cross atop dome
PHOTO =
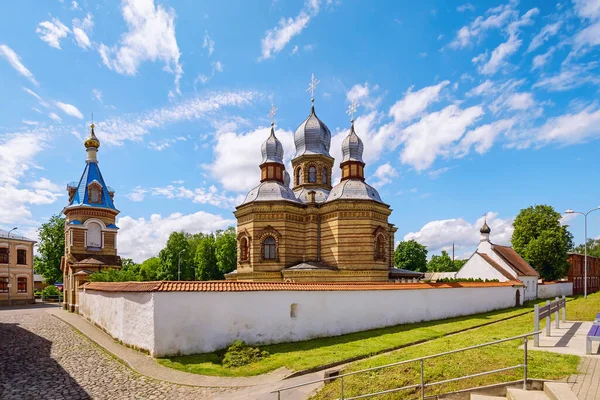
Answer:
(312, 86)
(351, 110)
(272, 113)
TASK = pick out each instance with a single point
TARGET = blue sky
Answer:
(465, 108)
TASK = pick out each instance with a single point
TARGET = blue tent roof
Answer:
(113, 226)
(75, 222)
(91, 174)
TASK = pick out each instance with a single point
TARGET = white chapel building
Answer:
(492, 261)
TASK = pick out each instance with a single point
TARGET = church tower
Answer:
(90, 230)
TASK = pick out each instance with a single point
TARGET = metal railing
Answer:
(422, 385)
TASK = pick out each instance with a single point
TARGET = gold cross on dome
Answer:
(272, 113)
(352, 109)
(312, 86)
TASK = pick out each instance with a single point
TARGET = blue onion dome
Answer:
(272, 150)
(352, 147)
(92, 140)
(312, 136)
(286, 179)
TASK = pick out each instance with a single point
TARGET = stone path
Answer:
(44, 358)
(586, 385)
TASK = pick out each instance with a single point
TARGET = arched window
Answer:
(324, 175)
(269, 248)
(94, 235)
(299, 176)
(94, 195)
(244, 249)
(312, 174)
(379, 248)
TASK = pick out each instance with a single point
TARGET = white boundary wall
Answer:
(552, 290)
(168, 323)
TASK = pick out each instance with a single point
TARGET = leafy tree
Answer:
(206, 260)
(411, 255)
(441, 263)
(458, 264)
(150, 269)
(177, 246)
(226, 250)
(129, 265)
(542, 241)
(51, 248)
(593, 248)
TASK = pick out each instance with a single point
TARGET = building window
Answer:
(94, 235)
(324, 175)
(269, 248)
(21, 257)
(379, 248)
(312, 175)
(22, 285)
(3, 255)
(95, 194)
(299, 176)
(3, 284)
(244, 249)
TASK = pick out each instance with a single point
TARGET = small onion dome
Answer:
(286, 179)
(485, 228)
(272, 150)
(352, 147)
(312, 136)
(270, 191)
(92, 141)
(353, 189)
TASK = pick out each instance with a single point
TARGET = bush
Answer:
(456, 280)
(239, 354)
(50, 291)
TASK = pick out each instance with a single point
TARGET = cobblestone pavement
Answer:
(41, 357)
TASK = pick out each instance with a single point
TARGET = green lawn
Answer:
(313, 353)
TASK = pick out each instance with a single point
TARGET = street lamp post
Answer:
(9, 284)
(179, 266)
(585, 215)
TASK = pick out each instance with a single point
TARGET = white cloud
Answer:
(415, 103)
(520, 101)
(569, 77)
(483, 137)
(15, 61)
(542, 59)
(493, 18)
(209, 43)
(587, 9)
(137, 194)
(81, 29)
(277, 38)
(150, 37)
(570, 128)
(55, 117)
(545, 34)
(97, 94)
(203, 79)
(383, 175)
(441, 234)
(28, 122)
(52, 32)
(484, 88)
(587, 37)
(465, 7)
(362, 94)
(46, 184)
(69, 109)
(34, 94)
(75, 5)
(140, 239)
(165, 143)
(436, 173)
(212, 195)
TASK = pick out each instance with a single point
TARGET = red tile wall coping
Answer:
(229, 286)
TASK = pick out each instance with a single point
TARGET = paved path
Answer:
(44, 358)
(586, 385)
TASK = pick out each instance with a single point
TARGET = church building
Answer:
(90, 230)
(313, 231)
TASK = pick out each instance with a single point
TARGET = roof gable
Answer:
(496, 266)
(514, 260)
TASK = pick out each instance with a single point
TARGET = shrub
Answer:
(50, 291)
(456, 280)
(239, 354)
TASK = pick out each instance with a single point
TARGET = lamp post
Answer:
(9, 284)
(585, 215)
(179, 266)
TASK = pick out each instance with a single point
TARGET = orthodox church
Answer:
(90, 230)
(313, 231)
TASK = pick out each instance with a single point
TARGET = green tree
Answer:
(441, 263)
(150, 269)
(542, 241)
(177, 245)
(114, 275)
(226, 250)
(206, 260)
(51, 248)
(458, 264)
(411, 255)
(593, 248)
(129, 265)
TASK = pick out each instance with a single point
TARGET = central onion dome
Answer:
(312, 136)
(92, 141)
(352, 147)
(271, 149)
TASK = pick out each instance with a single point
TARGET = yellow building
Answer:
(313, 231)
(16, 268)
(90, 230)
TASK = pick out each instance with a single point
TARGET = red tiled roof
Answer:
(514, 260)
(496, 266)
(233, 286)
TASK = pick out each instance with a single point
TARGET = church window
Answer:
(95, 195)
(3, 255)
(324, 175)
(269, 248)
(312, 174)
(299, 176)
(244, 249)
(379, 248)
(94, 235)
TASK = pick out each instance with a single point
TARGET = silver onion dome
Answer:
(352, 147)
(354, 189)
(312, 136)
(286, 179)
(271, 149)
(270, 191)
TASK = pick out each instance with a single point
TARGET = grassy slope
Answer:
(312, 353)
(543, 365)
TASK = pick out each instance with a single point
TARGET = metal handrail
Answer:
(423, 385)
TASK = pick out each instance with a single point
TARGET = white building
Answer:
(492, 261)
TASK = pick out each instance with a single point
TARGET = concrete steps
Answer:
(552, 391)
(520, 394)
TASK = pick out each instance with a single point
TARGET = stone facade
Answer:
(16, 252)
(316, 231)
